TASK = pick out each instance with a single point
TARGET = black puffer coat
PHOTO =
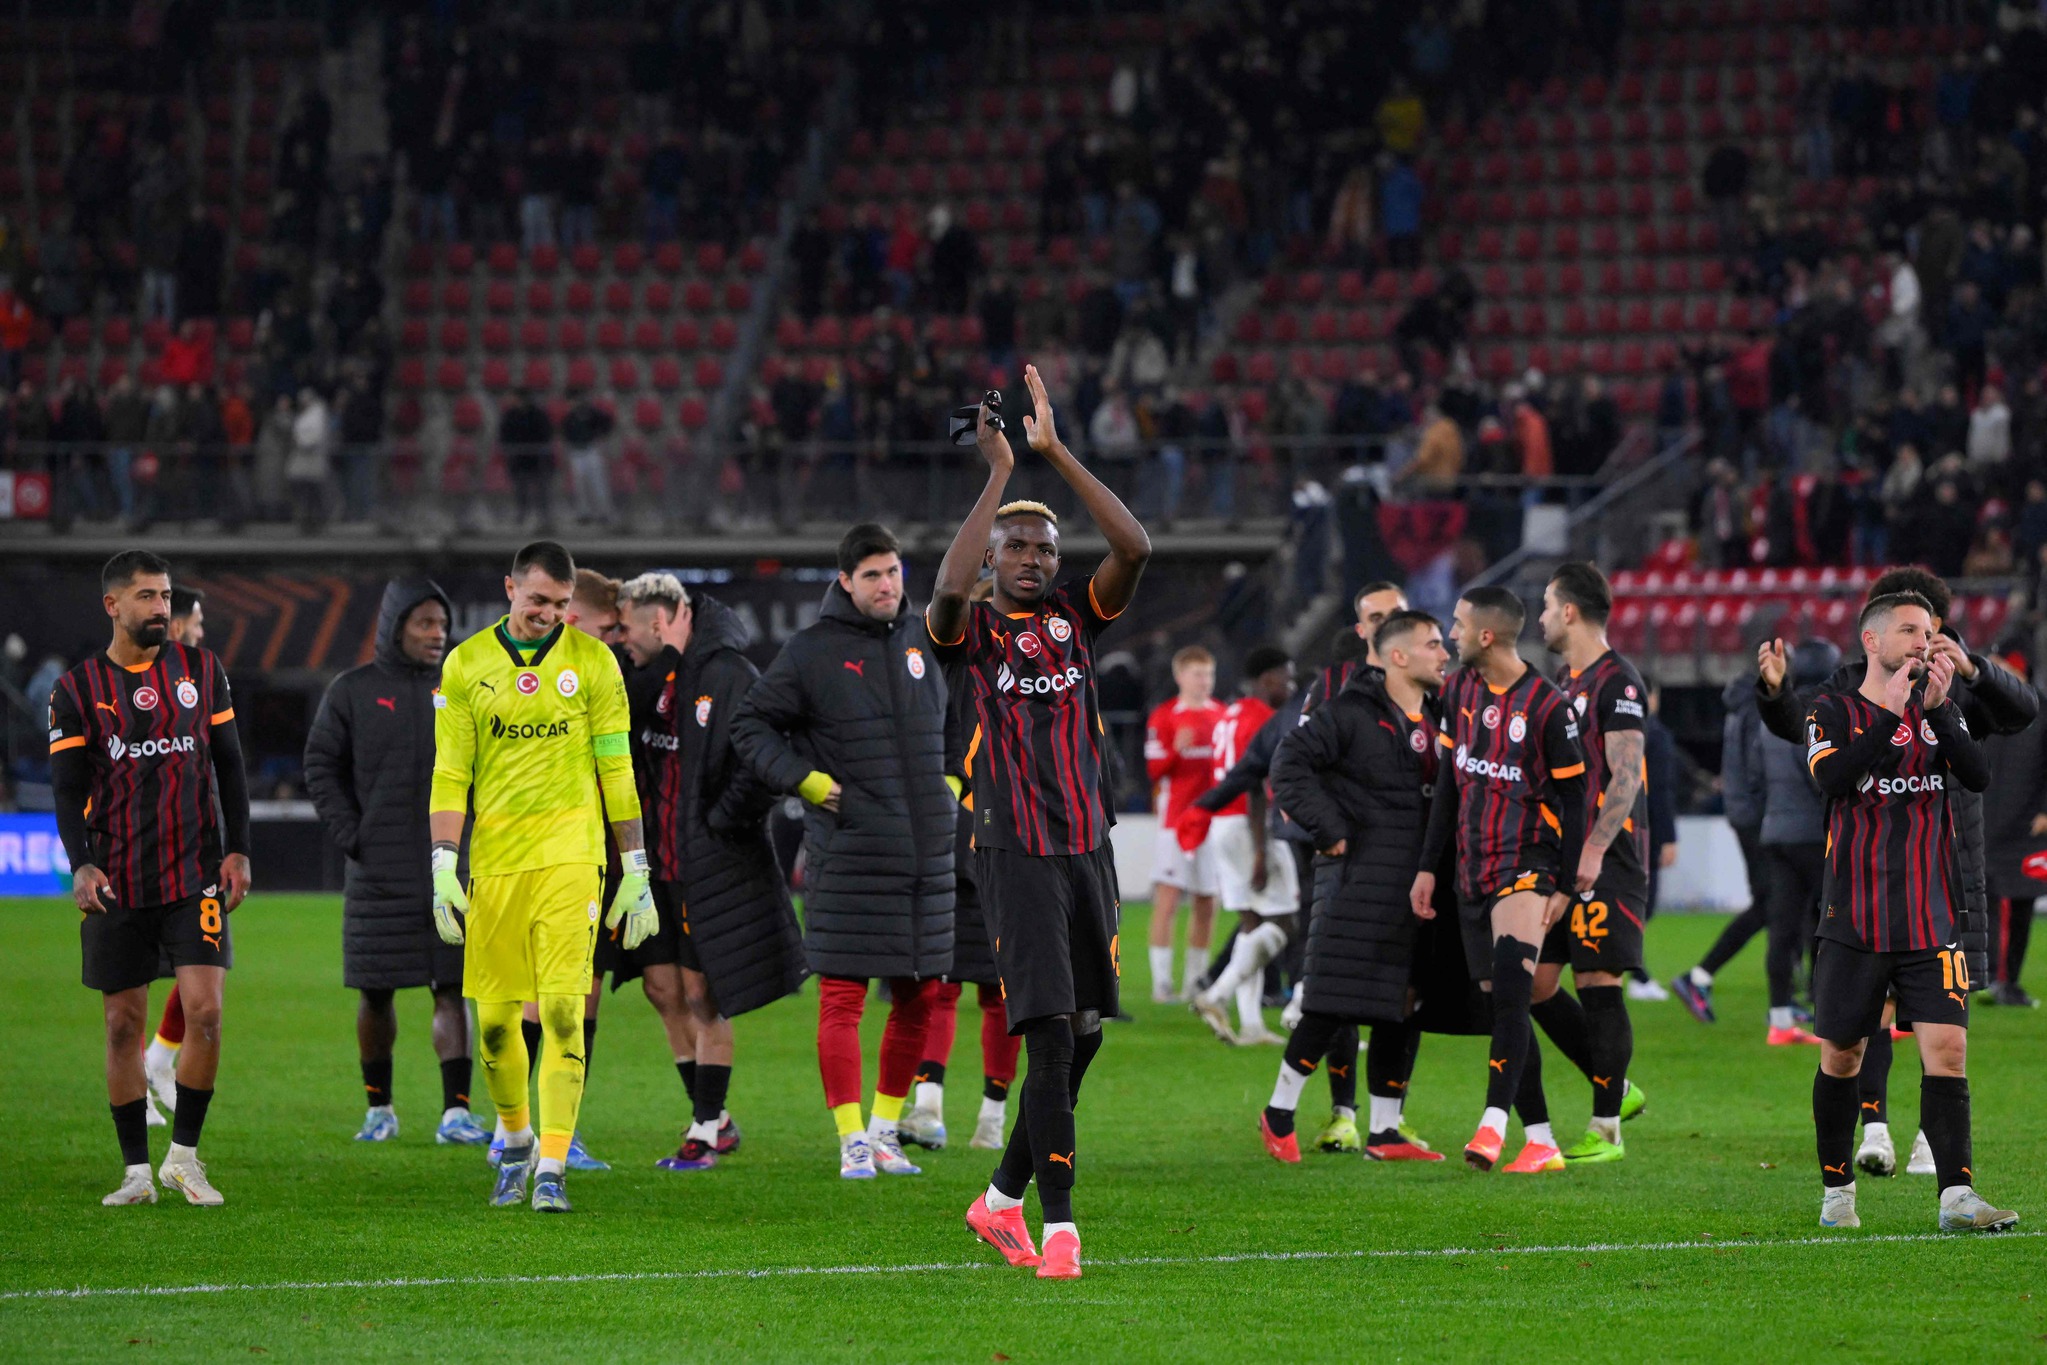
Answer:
(1995, 702)
(1350, 772)
(864, 701)
(738, 913)
(369, 767)
(2016, 796)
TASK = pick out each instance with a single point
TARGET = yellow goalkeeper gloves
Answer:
(450, 901)
(634, 901)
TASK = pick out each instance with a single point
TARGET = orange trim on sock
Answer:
(516, 1120)
(555, 1146)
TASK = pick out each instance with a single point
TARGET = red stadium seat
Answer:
(666, 374)
(624, 374)
(574, 334)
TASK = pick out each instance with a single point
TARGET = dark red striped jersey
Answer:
(153, 811)
(1609, 697)
(1035, 760)
(1893, 879)
(1507, 750)
(657, 761)
(1332, 679)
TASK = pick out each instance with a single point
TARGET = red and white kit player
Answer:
(1179, 758)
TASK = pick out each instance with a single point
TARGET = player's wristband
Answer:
(815, 788)
(444, 858)
(634, 860)
(954, 785)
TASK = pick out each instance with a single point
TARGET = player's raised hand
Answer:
(91, 890)
(1038, 425)
(1898, 690)
(633, 902)
(1770, 664)
(993, 443)
(1940, 676)
(234, 872)
(1421, 897)
(1945, 647)
(451, 902)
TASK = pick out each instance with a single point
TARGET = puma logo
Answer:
(108, 706)
(212, 940)
(921, 1078)
(1498, 1064)
(1969, 1173)
(1066, 1160)
(1835, 1170)
(1870, 1105)
(858, 666)
(389, 704)
(1602, 1081)
(488, 686)
(1333, 1070)
(1956, 998)
(1396, 1085)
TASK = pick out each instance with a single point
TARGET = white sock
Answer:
(1608, 1126)
(159, 1053)
(1495, 1119)
(180, 1154)
(930, 1097)
(1162, 968)
(1250, 1017)
(1197, 963)
(702, 1132)
(514, 1141)
(1702, 978)
(382, 1109)
(501, 1134)
(1780, 1016)
(1344, 1111)
(131, 1172)
(456, 1112)
(879, 1127)
(553, 1165)
(1286, 1091)
(995, 1109)
(1385, 1114)
(997, 1201)
(1539, 1132)
(1874, 1132)
(1248, 956)
(1046, 1235)
(1947, 1196)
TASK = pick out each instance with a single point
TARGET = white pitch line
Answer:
(779, 1272)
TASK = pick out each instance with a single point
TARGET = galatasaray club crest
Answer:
(1926, 731)
(1059, 628)
(915, 659)
(567, 682)
(1517, 728)
(703, 712)
(188, 694)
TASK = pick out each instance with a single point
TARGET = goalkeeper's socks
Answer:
(552, 1165)
(518, 1144)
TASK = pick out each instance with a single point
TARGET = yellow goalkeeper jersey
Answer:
(528, 732)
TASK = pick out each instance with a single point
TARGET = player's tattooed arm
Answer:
(1623, 784)
(628, 835)
(946, 617)
(1129, 547)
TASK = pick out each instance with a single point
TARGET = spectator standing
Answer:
(1989, 444)
(1400, 210)
(309, 465)
(526, 435)
(585, 430)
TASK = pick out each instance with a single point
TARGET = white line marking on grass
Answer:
(780, 1272)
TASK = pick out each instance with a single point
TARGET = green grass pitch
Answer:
(1703, 1244)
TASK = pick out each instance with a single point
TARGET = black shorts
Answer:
(1475, 918)
(130, 945)
(1849, 984)
(1601, 930)
(1054, 922)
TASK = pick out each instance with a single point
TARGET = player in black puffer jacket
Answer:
(851, 717)
(369, 764)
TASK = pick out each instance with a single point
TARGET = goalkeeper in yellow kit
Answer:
(530, 724)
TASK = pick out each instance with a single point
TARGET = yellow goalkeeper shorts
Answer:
(532, 933)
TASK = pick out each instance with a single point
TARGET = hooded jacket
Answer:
(1996, 702)
(2017, 795)
(1742, 783)
(369, 768)
(1794, 812)
(736, 907)
(865, 702)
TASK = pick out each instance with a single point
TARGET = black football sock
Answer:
(1529, 1100)
(2018, 933)
(929, 1073)
(1944, 1114)
(1085, 1046)
(1513, 983)
(191, 1115)
(1563, 1018)
(455, 1077)
(992, 1089)
(708, 1099)
(1343, 1067)
(131, 1129)
(1049, 1111)
(1613, 1046)
(376, 1080)
(1013, 1172)
(530, 1030)
(589, 1045)
(1873, 1082)
(688, 1071)
(1833, 1122)
(1389, 1059)
(1304, 1052)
